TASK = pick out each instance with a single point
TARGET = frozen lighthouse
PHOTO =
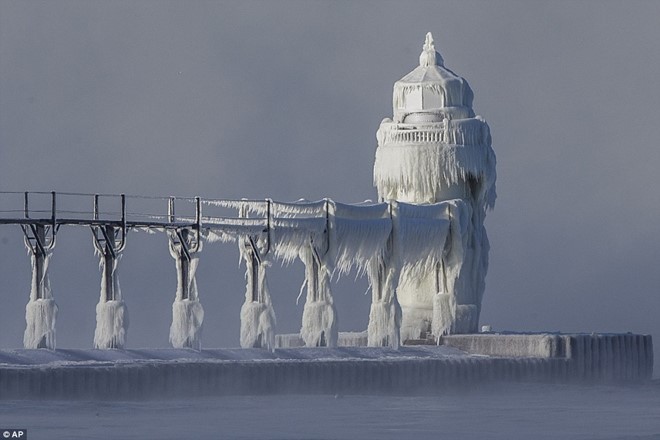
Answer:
(422, 247)
(435, 150)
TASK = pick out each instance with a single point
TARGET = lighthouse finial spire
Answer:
(428, 43)
(429, 57)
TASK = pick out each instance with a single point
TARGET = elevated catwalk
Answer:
(465, 360)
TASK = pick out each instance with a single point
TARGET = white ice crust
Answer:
(187, 313)
(423, 247)
(41, 310)
(111, 314)
(436, 150)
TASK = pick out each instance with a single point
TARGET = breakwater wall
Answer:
(594, 357)
(461, 361)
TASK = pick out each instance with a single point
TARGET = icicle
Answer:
(358, 234)
(444, 313)
(290, 236)
(41, 310)
(111, 324)
(40, 315)
(187, 311)
(423, 171)
(186, 328)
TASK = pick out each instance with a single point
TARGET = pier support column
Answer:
(319, 326)
(185, 244)
(41, 310)
(257, 314)
(111, 311)
(187, 311)
(385, 314)
(319, 320)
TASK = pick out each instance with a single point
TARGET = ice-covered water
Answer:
(514, 411)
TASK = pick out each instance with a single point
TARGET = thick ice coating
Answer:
(435, 149)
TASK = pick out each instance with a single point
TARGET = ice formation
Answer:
(41, 310)
(319, 321)
(111, 311)
(257, 314)
(385, 312)
(462, 359)
(187, 311)
(423, 247)
(302, 230)
(436, 150)
(395, 244)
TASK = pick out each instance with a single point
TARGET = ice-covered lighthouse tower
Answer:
(436, 150)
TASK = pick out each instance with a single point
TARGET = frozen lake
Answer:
(513, 411)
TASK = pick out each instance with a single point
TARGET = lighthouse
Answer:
(435, 149)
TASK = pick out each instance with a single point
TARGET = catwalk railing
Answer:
(327, 236)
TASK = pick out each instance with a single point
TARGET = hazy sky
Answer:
(282, 99)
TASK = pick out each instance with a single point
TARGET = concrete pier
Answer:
(463, 361)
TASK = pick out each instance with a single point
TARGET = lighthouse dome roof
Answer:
(431, 87)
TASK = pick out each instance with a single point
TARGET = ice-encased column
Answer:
(111, 311)
(449, 268)
(187, 312)
(383, 269)
(319, 320)
(41, 310)
(385, 312)
(257, 314)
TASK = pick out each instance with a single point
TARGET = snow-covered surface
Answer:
(72, 357)
(131, 374)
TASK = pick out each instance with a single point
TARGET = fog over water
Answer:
(496, 412)
(282, 100)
